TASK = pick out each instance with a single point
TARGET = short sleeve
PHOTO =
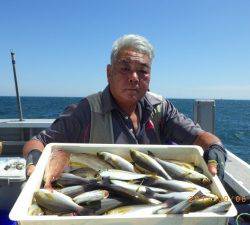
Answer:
(69, 127)
(178, 128)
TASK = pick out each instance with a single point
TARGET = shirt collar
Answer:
(108, 102)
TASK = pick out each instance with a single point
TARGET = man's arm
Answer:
(31, 153)
(182, 130)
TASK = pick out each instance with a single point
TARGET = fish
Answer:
(218, 208)
(174, 185)
(72, 191)
(68, 179)
(138, 188)
(91, 196)
(92, 161)
(147, 162)
(56, 202)
(175, 196)
(129, 194)
(85, 172)
(136, 210)
(180, 172)
(203, 202)
(181, 207)
(114, 174)
(183, 164)
(116, 161)
(101, 207)
(35, 210)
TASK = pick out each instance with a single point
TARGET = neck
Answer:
(128, 109)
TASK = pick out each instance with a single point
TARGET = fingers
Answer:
(212, 168)
(48, 183)
(30, 169)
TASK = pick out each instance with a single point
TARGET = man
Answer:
(125, 112)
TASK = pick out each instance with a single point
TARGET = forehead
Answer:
(132, 56)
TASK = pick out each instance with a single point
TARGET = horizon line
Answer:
(186, 98)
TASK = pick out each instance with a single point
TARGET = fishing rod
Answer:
(16, 86)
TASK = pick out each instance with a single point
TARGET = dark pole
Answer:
(16, 85)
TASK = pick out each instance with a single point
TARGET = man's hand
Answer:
(30, 169)
(215, 157)
(59, 159)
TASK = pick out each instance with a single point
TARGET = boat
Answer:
(15, 132)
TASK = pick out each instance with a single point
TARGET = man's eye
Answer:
(143, 71)
(125, 69)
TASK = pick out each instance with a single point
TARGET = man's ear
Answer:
(109, 68)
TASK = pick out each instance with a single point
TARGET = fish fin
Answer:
(149, 192)
(106, 181)
(151, 154)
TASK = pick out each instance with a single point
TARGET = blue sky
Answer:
(62, 47)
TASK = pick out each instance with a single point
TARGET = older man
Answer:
(125, 112)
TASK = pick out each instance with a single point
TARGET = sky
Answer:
(202, 48)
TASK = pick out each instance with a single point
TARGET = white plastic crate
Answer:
(187, 153)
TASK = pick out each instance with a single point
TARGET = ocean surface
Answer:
(232, 116)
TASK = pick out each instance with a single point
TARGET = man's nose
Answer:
(134, 77)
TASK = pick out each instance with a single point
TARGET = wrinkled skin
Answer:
(59, 159)
(128, 77)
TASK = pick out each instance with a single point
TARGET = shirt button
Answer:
(126, 117)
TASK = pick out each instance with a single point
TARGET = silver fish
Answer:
(116, 161)
(203, 202)
(174, 185)
(181, 172)
(175, 196)
(181, 207)
(133, 210)
(121, 175)
(130, 194)
(68, 179)
(218, 208)
(72, 190)
(147, 162)
(56, 202)
(85, 172)
(101, 207)
(91, 196)
(138, 188)
(92, 161)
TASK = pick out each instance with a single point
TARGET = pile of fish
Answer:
(108, 184)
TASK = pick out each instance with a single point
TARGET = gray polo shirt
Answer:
(73, 126)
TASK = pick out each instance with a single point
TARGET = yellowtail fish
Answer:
(180, 172)
(174, 185)
(147, 162)
(91, 196)
(218, 208)
(67, 179)
(116, 161)
(92, 161)
(113, 174)
(56, 202)
(73, 190)
(181, 207)
(138, 188)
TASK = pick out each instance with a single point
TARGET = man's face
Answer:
(129, 76)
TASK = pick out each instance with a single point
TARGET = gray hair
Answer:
(139, 43)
